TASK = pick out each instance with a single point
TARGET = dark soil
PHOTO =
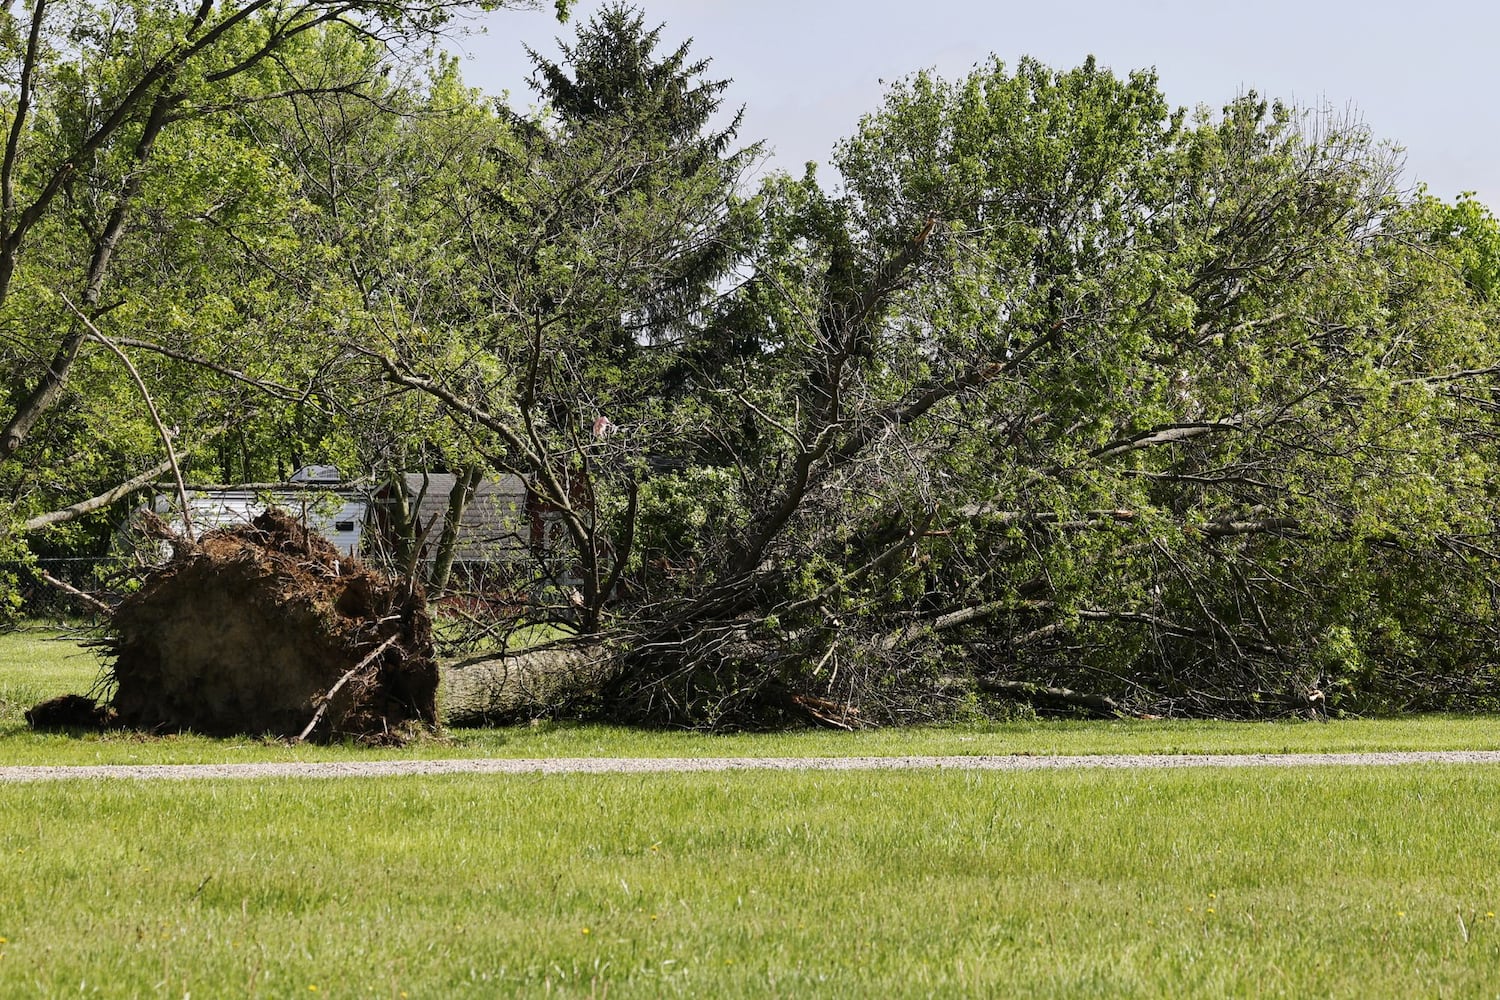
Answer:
(69, 711)
(247, 630)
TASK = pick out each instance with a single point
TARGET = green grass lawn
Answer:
(37, 664)
(1328, 882)
(1261, 882)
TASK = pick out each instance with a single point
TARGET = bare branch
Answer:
(18, 119)
(1171, 434)
(73, 591)
(99, 502)
(1227, 529)
(274, 389)
(161, 430)
(1094, 704)
(327, 699)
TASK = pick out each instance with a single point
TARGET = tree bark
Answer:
(485, 690)
(89, 506)
(464, 486)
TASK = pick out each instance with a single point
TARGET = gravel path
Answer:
(651, 765)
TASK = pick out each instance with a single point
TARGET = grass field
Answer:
(1260, 882)
(1345, 882)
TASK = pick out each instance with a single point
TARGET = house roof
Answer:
(494, 526)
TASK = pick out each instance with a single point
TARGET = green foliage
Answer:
(1206, 309)
(1055, 383)
(681, 518)
(137, 189)
(1468, 231)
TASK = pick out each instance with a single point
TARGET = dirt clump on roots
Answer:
(69, 712)
(264, 628)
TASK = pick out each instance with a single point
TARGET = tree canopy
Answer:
(1056, 393)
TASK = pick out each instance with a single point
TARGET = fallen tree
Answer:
(494, 690)
(1144, 417)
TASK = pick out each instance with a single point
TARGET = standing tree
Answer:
(590, 246)
(120, 160)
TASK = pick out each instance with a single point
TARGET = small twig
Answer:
(328, 698)
(199, 890)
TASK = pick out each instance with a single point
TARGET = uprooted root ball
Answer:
(248, 629)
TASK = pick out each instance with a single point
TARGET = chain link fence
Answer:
(61, 587)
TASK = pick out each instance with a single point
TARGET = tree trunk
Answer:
(465, 484)
(486, 690)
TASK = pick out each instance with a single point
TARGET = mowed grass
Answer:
(1257, 882)
(38, 664)
(1262, 882)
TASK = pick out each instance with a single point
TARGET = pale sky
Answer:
(1421, 74)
